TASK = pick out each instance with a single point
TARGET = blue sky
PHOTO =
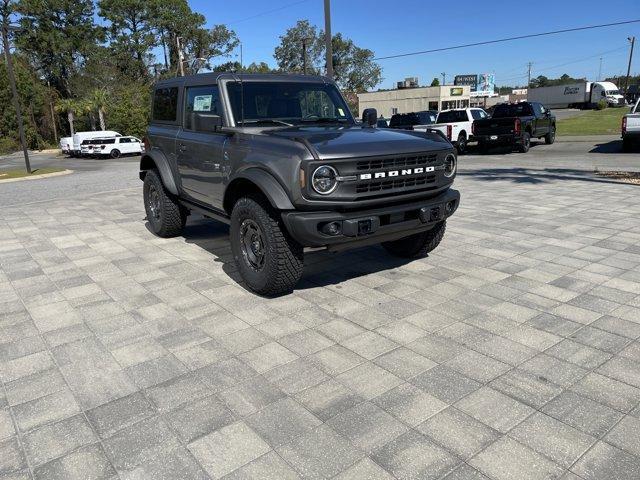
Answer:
(388, 27)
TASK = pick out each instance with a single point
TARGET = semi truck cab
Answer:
(608, 92)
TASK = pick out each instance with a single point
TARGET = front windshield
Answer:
(287, 103)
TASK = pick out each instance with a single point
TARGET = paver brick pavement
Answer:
(511, 352)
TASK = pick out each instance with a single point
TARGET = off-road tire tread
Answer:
(417, 245)
(174, 216)
(288, 254)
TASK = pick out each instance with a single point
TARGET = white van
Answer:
(66, 144)
(80, 136)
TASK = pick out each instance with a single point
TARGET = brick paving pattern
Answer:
(511, 352)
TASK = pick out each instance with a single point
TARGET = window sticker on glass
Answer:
(341, 112)
(202, 103)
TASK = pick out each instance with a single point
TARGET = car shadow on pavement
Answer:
(321, 268)
(535, 176)
(614, 146)
(474, 149)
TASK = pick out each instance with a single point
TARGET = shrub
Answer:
(8, 145)
(601, 105)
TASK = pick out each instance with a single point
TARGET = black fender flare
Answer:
(269, 186)
(159, 160)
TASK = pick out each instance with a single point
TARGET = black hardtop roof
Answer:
(215, 77)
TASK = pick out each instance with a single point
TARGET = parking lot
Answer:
(511, 352)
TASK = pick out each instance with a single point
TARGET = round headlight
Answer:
(324, 180)
(449, 165)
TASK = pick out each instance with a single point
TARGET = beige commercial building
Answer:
(405, 100)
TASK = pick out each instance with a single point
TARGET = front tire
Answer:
(165, 215)
(417, 245)
(269, 260)
(550, 137)
(115, 153)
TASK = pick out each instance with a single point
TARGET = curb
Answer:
(36, 177)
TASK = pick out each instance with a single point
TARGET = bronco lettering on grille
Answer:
(396, 173)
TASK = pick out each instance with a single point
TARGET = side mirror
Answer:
(205, 122)
(369, 117)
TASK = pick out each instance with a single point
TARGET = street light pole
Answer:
(327, 38)
(14, 91)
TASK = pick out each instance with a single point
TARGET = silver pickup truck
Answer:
(631, 128)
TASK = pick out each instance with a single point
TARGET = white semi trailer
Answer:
(577, 95)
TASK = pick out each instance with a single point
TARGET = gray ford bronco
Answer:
(282, 161)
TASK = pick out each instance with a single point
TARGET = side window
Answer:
(201, 100)
(125, 140)
(476, 114)
(165, 104)
(538, 110)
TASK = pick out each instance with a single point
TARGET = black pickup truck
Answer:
(515, 124)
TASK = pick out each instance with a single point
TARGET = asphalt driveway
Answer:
(511, 352)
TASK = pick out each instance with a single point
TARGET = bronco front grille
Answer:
(404, 161)
(393, 184)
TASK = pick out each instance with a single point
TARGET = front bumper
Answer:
(366, 227)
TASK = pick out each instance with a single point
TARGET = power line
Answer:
(508, 39)
(267, 12)
(582, 59)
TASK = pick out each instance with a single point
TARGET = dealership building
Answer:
(411, 98)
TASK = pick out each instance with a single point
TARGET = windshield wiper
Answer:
(266, 120)
(323, 120)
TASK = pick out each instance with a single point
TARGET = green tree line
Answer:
(83, 65)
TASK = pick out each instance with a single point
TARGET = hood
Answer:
(354, 141)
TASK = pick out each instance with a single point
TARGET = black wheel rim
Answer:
(154, 202)
(252, 244)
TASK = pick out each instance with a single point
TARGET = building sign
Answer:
(481, 85)
(456, 91)
(470, 80)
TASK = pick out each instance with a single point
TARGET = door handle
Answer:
(182, 147)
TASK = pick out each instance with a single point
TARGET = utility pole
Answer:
(529, 65)
(304, 56)
(14, 90)
(600, 69)
(444, 78)
(240, 57)
(626, 82)
(180, 57)
(327, 38)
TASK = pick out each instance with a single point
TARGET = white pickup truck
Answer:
(631, 128)
(457, 125)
